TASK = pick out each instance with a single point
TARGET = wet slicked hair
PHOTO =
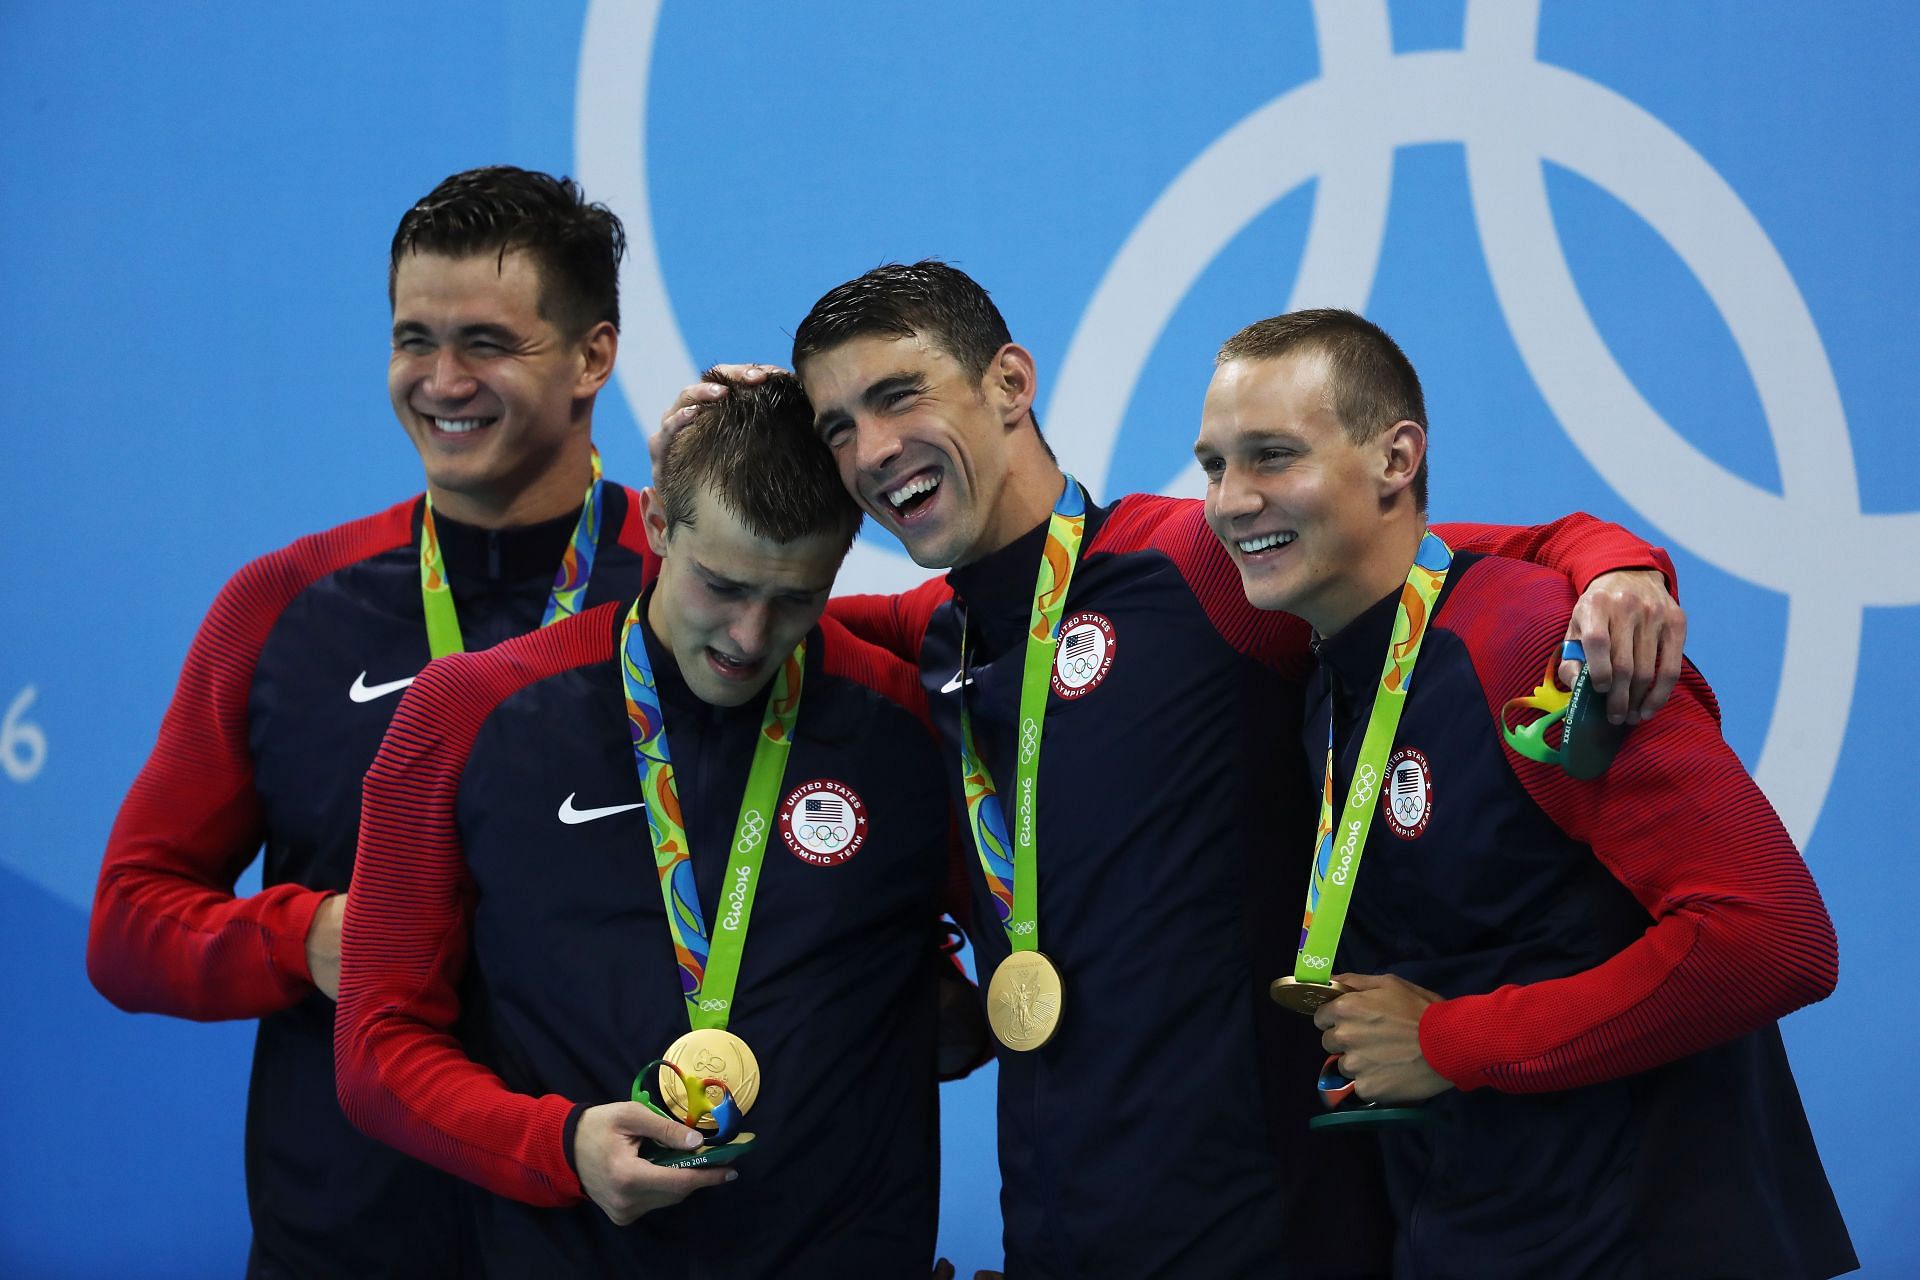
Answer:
(756, 449)
(499, 210)
(928, 299)
(1370, 382)
(931, 299)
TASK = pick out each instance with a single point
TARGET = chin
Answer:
(1262, 594)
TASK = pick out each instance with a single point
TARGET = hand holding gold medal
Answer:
(708, 1081)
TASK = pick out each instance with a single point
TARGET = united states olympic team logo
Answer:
(1512, 113)
(1409, 798)
(823, 822)
(1084, 655)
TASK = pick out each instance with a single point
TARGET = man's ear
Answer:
(597, 352)
(1403, 449)
(653, 515)
(1010, 382)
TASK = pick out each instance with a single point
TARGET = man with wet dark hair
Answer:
(504, 290)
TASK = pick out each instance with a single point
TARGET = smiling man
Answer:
(506, 974)
(1107, 699)
(1577, 976)
(504, 287)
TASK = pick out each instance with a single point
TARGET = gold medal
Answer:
(710, 1052)
(1304, 997)
(1023, 1001)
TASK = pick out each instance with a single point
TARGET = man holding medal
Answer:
(1560, 978)
(505, 294)
(568, 842)
(1133, 873)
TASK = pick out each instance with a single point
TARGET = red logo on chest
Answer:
(1408, 798)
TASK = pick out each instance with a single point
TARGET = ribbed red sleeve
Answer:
(402, 1075)
(167, 934)
(896, 623)
(1739, 936)
(1177, 528)
(1578, 547)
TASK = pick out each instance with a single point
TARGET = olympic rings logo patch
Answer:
(1083, 656)
(823, 822)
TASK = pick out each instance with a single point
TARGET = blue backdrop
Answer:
(1646, 256)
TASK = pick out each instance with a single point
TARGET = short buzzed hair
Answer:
(756, 449)
(577, 246)
(1370, 382)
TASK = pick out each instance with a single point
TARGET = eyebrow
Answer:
(876, 391)
(466, 333)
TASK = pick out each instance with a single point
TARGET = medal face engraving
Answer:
(1023, 1001)
(712, 1052)
(1303, 997)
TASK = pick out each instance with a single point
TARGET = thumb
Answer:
(1361, 981)
(636, 1121)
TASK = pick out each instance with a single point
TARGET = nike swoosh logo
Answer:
(364, 692)
(953, 685)
(574, 817)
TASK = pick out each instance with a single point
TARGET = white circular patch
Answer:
(1084, 655)
(1409, 798)
(823, 822)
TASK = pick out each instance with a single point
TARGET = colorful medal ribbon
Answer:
(1330, 887)
(709, 965)
(1013, 882)
(569, 584)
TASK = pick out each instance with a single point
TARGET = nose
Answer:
(749, 629)
(448, 377)
(874, 446)
(1238, 496)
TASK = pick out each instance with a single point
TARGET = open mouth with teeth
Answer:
(912, 498)
(729, 667)
(1266, 544)
(459, 426)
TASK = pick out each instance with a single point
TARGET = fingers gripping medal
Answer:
(709, 1078)
(1024, 995)
(1339, 842)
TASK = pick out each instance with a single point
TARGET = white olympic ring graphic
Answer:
(753, 829)
(1364, 781)
(1029, 740)
(1024, 927)
(714, 1006)
(1512, 112)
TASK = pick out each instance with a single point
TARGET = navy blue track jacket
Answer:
(504, 967)
(280, 708)
(1613, 955)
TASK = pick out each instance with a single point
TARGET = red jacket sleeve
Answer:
(403, 1076)
(896, 623)
(167, 934)
(1739, 936)
(1577, 547)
